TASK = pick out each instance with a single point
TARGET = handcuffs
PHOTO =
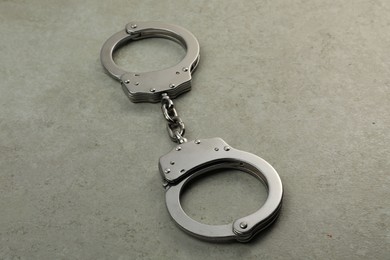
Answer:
(190, 159)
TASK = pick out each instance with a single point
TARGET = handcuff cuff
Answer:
(190, 159)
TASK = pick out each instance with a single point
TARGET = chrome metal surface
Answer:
(200, 157)
(175, 125)
(149, 86)
(189, 160)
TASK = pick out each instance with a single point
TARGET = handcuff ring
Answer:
(149, 86)
(190, 159)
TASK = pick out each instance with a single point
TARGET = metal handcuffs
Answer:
(190, 159)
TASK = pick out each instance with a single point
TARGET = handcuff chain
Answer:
(175, 125)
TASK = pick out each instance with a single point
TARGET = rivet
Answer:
(133, 26)
(243, 225)
(172, 162)
(182, 170)
(137, 83)
(152, 90)
(172, 85)
(127, 81)
(178, 148)
(227, 148)
(185, 69)
(166, 171)
(216, 149)
(197, 141)
(177, 72)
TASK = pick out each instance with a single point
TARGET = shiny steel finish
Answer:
(200, 157)
(175, 125)
(149, 86)
(189, 160)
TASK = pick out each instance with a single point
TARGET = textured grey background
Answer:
(303, 84)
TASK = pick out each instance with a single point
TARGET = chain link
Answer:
(175, 125)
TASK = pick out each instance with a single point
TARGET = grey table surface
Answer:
(303, 84)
